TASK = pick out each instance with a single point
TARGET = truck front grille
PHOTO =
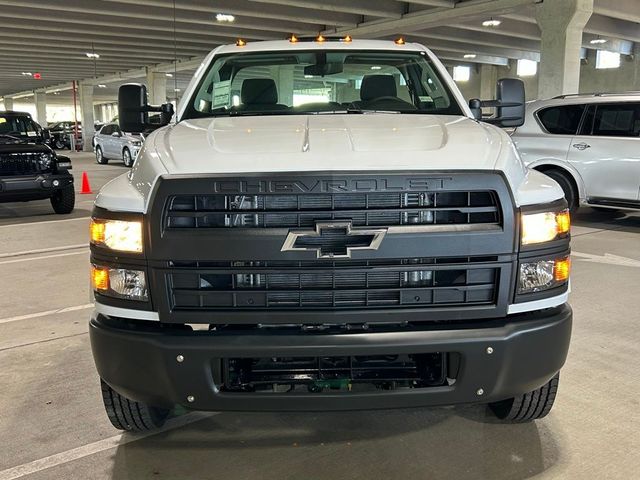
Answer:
(334, 285)
(23, 163)
(362, 209)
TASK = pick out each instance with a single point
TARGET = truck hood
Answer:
(336, 142)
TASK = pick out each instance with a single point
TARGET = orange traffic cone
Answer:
(86, 188)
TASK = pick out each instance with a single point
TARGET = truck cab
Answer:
(327, 225)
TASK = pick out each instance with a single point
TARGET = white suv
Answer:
(589, 144)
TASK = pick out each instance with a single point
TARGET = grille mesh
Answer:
(22, 164)
(362, 209)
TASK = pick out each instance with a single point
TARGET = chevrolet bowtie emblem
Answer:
(334, 239)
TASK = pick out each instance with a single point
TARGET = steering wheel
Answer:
(395, 100)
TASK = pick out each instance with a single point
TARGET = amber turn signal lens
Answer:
(562, 269)
(100, 278)
(563, 222)
(96, 231)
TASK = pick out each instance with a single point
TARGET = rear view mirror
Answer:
(509, 104)
(133, 109)
(322, 69)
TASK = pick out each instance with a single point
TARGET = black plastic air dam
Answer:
(526, 351)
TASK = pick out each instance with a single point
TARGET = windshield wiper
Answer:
(11, 137)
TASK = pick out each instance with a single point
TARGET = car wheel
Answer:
(64, 200)
(100, 158)
(127, 158)
(570, 191)
(129, 415)
(528, 407)
(58, 144)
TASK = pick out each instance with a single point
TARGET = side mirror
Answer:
(46, 134)
(133, 109)
(509, 104)
(116, 134)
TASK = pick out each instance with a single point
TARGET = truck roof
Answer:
(330, 43)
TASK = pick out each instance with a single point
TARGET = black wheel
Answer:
(100, 158)
(64, 200)
(58, 144)
(528, 407)
(129, 415)
(569, 189)
(127, 158)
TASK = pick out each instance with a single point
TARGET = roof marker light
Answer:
(293, 39)
(347, 39)
(400, 41)
(320, 38)
(240, 43)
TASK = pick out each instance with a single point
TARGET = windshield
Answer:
(340, 81)
(19, 127)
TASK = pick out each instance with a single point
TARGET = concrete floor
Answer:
(52, 423)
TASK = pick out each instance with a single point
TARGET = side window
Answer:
(563, 120)
(106, 130)
(621, 120)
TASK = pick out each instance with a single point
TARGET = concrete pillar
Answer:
(8, 103)
(488, 80)
(40, 99)
(284, 81)
(562, 24)
(86, 107)
(156, 87)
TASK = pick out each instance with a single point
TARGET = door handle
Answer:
(581, 146)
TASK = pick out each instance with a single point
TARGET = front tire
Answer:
(528, 407)
(127, 158)
(100, 158)
(64, 200)
(58, 144)
(570, 192)
(129, 415)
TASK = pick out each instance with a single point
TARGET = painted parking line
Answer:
(96, 447)
(31, 259)
(44, 222)
(43, 250)
(46, 313)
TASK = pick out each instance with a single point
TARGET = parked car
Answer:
(60, 132)
(112, 143)
(328, 238)
(29, 168)
(589, 144)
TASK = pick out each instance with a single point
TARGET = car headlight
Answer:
(136, 143)
(119, 283)
(120, 235)
(542, 275)
(544, 227)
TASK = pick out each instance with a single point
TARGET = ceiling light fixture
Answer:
(92, 55)
(27, 74)
(491, 23)
(598, 41)
(225, 17)
(470, 55)
(102, 85)
(376, 67)
(168, 75)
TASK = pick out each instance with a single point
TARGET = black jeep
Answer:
(29, 168)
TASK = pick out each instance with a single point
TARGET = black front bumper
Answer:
(33, 187)
(526, 351)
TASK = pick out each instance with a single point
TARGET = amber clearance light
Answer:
(400, 41)
(100, 278)
(240, 42)
(562, 269)
(293, 39)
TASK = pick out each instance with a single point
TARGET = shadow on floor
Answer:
(461, 443)
(621, 220)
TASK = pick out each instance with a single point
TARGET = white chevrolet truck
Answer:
(326, 225)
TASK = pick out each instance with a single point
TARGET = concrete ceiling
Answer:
(52, 37)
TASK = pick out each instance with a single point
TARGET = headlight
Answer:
(117, 235)
(543, 274)
(119, 283)
(45, 160)
(544, 227)
(136, 143)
